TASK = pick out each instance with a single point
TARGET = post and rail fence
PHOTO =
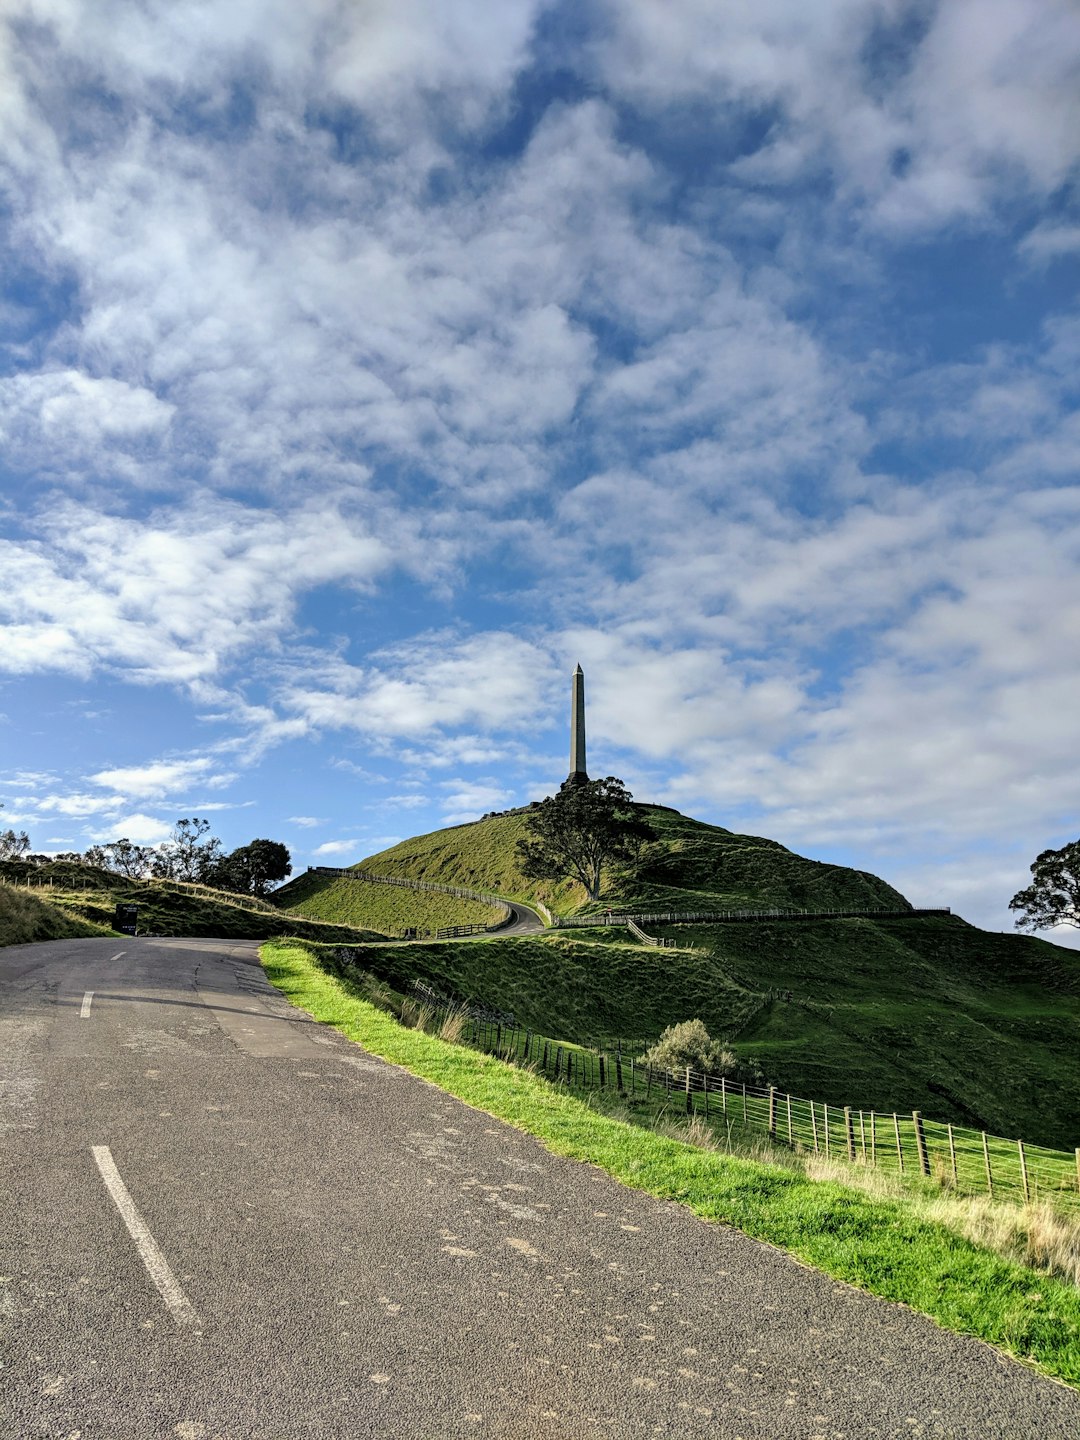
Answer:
(955, 1157)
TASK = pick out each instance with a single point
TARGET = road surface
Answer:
(223, 1222)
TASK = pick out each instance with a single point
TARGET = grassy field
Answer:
(688, 866)
(385, 909)
(896, 1015)
(883, 1243)
(84, 896)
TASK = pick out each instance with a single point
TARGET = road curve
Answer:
(352, 1253)
(525, 921)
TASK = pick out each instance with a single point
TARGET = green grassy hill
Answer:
(909, 1014)
(688, 866)
(385, 909)
(924, 1013)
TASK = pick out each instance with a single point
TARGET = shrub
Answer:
(689, 1044)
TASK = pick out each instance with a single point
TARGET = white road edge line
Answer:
(179, 1306)
(85, 1011)
(117, 955)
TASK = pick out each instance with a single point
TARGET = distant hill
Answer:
(688, 866)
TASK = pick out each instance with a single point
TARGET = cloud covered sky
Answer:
(365, 367)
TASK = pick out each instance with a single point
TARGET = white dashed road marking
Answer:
(117, 956)
(179, 1306)
(85, 1011)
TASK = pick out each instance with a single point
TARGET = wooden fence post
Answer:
(689, 1101)
(790, 1139)
(813, 1121)
(601, 1071)
(862, 1136)
(558, 1058)
(989, 1176)
(873, 1139)
(920, 1143)
(828, 1152)
(849, 1130)
(744, 1102)
(899, 1147)
(618, 1069)
(772, 1112)
(1023, 1172)
(723, 1107)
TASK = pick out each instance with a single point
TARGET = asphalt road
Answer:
(222, 1222)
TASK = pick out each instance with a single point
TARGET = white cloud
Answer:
(175, 597)
(337, 847)
(468, 801)
(923, 114)
(306, 822)
(138, 827)
(161, 778)
(492, 680)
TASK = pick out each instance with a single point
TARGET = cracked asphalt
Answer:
(361, 1255)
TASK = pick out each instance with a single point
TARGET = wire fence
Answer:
(144, 883)
(909, 1146)
(721, 917)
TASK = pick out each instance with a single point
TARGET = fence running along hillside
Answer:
(145, 883)
(721, 917)
(967, 1161)
(459, 892)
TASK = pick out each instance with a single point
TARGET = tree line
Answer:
(190, 853)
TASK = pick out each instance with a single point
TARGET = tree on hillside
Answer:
(190, 853)
(252, 869)
(122, 857)
(13, 844)
(576, 833)
(1053, 897)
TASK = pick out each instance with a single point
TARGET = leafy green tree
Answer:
(13, 844)
(1053, 897)
(252, 869)
(122, 857)
(581, 830)
(190, 853)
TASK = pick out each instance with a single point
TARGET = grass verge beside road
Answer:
(877, 1244)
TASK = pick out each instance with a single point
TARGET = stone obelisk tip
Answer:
(578, 775)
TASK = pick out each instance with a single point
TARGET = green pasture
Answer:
(384, 909)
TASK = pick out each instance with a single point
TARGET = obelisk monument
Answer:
(578, 775)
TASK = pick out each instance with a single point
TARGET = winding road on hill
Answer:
(225, 1222)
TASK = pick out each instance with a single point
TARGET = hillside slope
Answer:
(909, 1014)
(386, 909)
(688, 866)
(84, 899)
(924, 1013)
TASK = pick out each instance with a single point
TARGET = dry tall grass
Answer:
(1037, 1235)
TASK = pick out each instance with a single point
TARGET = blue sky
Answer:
(364, 368)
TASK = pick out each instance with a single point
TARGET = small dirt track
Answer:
(361, 1255)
